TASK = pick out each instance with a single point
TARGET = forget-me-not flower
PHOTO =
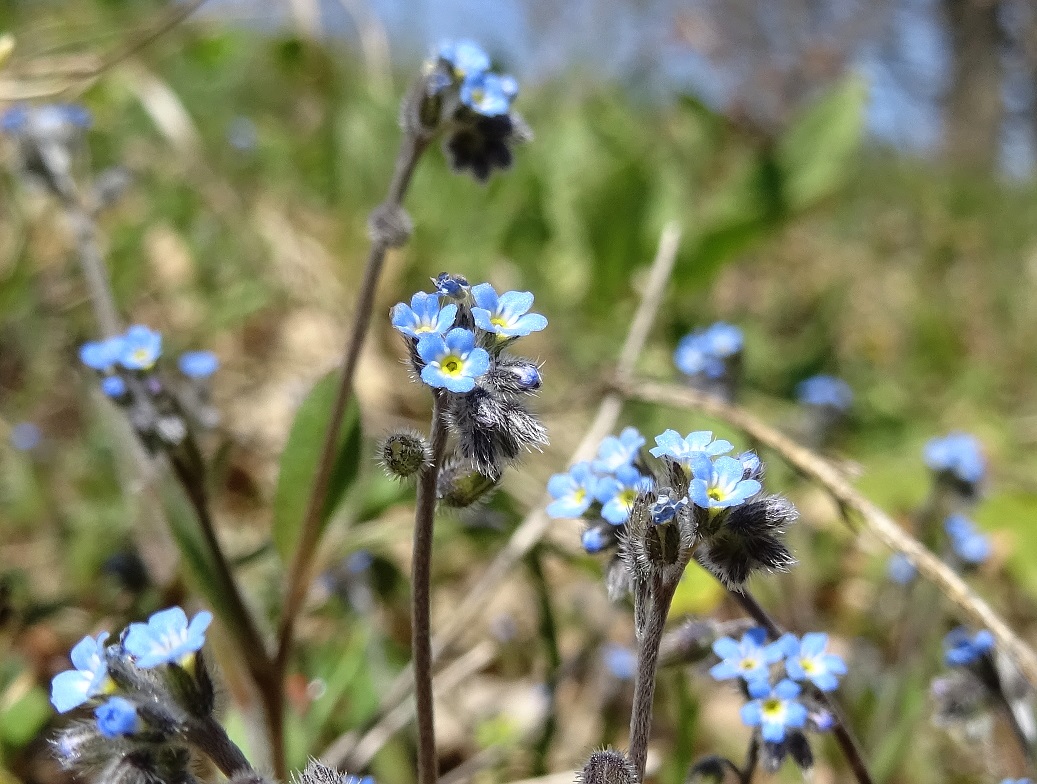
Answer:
(683, 450)
(102, 354)
(666, 506)
(618, 492)
(452, 361)
(614, 452)
(507, 314)
(424, 316)
(900, 570)
(749, 659)
(723, 340)
(464, 57)
(958, 454)
(113, 386)
(117, 716)
(72, 688)
(774, 709)
(166, 638)
(808, 660)
(573, 492)
(968, 543)
(198, 364)
(141, 348)
(620, 661)
(827, 391)
(706, 351)
(960, 648)
(719, 484)
(489, 94)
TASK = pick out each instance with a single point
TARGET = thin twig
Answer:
(310, 528)
(421, 597)
(874, 519)
(843, 735)
(535, 524)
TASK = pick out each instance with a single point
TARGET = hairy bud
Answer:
(492, 430)
(749, 539)
(608, 766)
(459, 487)
(317, 772)
(390, 225)
(404, 454)
(712, 769)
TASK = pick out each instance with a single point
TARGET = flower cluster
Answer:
(461, 91)
(969, 544)
(46, 137)
(825, 392)
(127, 366)
(458, 339)
(961, 649)
(711, 358)
(775, 701)
(714, 499)
(958, 459)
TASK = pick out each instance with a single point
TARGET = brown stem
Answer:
(310, 529)
(843, 736)
(421, 598)
(210, 737)
(649, 641)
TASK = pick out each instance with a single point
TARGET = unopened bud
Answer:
(608, 766)
(404, 454)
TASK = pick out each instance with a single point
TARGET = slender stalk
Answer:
(549, 635)
(309, 535)
(649, 641)
(240, 622)
(752, 759)
(421, 598)
(210, 737)
(844, 737)
(95, 273)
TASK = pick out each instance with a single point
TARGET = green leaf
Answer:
(299, 462)
(817, 152)
(25, 712)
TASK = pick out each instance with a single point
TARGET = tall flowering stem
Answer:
(421, 596)
(848, 744)
(389, 228)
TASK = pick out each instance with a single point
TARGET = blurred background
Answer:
(855, 182)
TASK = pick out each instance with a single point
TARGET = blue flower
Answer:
(1015, 781)
(773, 710)
(827, 391)
(14, 119)
(424, 316)
(573, 492)
(358, 780)
(684, 450)
(505, 315)
(809, 661)
(705, 351)
(452, 286)
(752, 465)
(102, 354)
(113, 386)
(900, 570)
(617, 493)
(971, 546)
(141, 348)
(464, 57)
(594, 540)
(615, 452)
(452, 361)
(723, 340)
(117, 716)
(72, 688)
(198, 364)
(960, 649)
(749, 659)
(666, 507)
(958, 454)
(167, 637)
(53, 116)
(26, 436)
(719, 484)
(489, 94)
(620, 661)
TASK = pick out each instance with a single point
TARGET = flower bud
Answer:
(404, 454)
(608, 766)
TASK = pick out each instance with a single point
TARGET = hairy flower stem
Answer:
(93, 268)
(211, 739)
(238, 618)
(752, 759)
(309, 534)
(421, 597)
(844, 737)
(650, 638)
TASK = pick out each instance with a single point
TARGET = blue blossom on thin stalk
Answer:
(749, 658)
(423, 316)
(198, 364)
(617, 493)
(807, 659)
(614, 452)
(573, 492)
(961, 649)
(685, 450)
(707, 352)
(900, 570)
(968, 543)
(72, 688)
(826, 392)
(166, 638)
(452, 361)
(957, 454)
(619, 660)
(774, 710)
(102, 355)
(141, 348)
(489, 94)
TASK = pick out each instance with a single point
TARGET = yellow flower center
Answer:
(452, 365)
(627, 497)
(579, 495)
(748, 664)
(142, 356)
(773, 708)
(809, 666)
(499, 321)
(715, 493)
